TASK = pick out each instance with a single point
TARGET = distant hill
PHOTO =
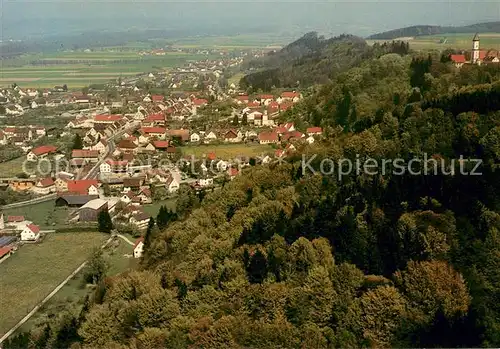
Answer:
(420, 30)
(309, 60)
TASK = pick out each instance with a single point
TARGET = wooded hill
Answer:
(310, 60)
(420, 30)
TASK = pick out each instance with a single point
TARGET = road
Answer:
(94, 172)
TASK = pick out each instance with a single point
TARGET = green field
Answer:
(71, 296)
(227, 151)
(233, 42)
(78, 69)
(154, 208)
(451, 41)
(35, 270)
(12, 168)
(44, 214)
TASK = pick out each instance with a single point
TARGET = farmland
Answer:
(71, 296)
(451, 41)
(234, 41)
(78, 69)
(44, 214)
(35, 270)
(227, 151)
(12, 167)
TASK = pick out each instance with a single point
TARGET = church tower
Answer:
(475, 50)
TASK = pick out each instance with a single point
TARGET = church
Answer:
(476, 55)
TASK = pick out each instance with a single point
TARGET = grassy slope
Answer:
(35, 270)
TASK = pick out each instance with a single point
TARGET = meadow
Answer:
(243, 41)
(459, 41)
(72, 295)
(12, 167)
(44, 214)
(35, 270)
(227, 151)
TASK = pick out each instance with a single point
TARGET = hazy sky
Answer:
(48, 17)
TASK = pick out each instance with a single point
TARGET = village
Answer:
(139, 147)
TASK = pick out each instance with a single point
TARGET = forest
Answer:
(311, 60)
(279, 258)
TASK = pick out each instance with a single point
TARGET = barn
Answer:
(90, 211)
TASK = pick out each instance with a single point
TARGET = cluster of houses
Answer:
(18, 225)
(14, 229)
(21, 136)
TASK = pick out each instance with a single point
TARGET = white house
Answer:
(140, 220)
(44, 186)
(222, 165)
(126, 198)
(206, 182)
(105, 168)
(172, 185)
(139, 248)
(93, 190)
(194, 138)
(101, 146)
(30, 233)
(310, 140)
(211, 136)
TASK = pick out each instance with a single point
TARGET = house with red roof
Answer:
(107, 119)
(458, 60)
(211, 156)
(41, 152)
(266, 99)
(161, 145)
(199, 102)
(83, 187)
(232, 172)
(273, 107)
(157, 119)
(157, 98)
(30, 233)
(293, 135)
(314, 131)
(113, 166)
(285, 106)
(158, 132)
(268, 137)
(292, 96)
(44, 186)
(15, 219)
(91, 156)
(126, 146)
(244, 99)
(5, 252)
(183, 134)
(231, 136)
